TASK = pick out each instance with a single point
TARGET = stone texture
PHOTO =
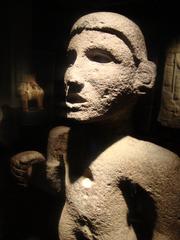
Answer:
(116, 186)
(115, 24)
(108, 61)
(169, 114)
(21, 165)
(130, 191)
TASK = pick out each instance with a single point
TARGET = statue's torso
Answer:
(119, 192)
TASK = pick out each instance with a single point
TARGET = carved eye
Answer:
(71, 57)
(99, 55)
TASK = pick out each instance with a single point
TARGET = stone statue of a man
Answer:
(116, 186)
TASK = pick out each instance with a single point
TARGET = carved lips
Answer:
(74, 102)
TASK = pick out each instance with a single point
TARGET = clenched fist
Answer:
(21, 165)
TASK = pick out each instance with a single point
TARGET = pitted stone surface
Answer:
(106, 69)
(133, 192)
(150, 176)
(117, 187)
(115, 24)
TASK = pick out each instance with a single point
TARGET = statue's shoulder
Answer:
(141, 157)
(137, 147)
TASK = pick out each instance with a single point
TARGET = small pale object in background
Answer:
(29, 90)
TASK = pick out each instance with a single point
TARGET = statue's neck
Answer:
(110, 128)
(87, 141)
(104, 132)
(116, 126)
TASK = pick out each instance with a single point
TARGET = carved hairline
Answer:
(112, 31)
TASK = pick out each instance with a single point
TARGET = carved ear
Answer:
(144, 78)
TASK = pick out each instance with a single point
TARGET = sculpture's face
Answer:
(101, 71)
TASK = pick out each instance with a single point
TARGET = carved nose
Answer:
(74, 86)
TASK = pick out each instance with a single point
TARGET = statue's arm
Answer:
(31, 167)
(56, 155)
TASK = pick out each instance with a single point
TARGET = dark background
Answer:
(34, 37)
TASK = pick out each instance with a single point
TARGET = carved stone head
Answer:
(108, 67)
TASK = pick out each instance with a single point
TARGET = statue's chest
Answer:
(102, 187)
(95, 190)
(94, 201)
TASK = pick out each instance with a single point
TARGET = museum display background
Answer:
(34, 39)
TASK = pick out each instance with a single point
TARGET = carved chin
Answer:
(81, 116)
(84, 115)
(88, 112)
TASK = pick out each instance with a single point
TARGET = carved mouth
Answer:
(75, 98)
(74, 107)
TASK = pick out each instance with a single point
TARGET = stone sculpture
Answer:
(116, 186)
(169, 114)
(29, 90)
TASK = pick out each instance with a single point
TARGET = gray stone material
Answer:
(117, 187)
(169, 114)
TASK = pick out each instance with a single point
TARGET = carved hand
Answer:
(21, 165)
